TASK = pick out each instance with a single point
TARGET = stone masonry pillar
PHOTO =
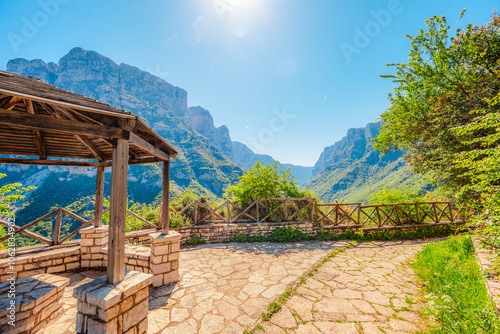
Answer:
(164, 258)
(107, 308)
(93, 239)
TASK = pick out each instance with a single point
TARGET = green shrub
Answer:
(196, 241)
(240, 238)
(178, 220)
(287, 234)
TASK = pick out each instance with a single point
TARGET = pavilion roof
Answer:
(39, 119)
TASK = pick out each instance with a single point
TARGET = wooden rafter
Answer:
(59, 112)
(72, 114)
(11, 103)
(37, 135)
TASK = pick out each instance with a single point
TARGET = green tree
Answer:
(445, 111)
(265, 181)
(394, 196)
(444, 87)
(9, 194)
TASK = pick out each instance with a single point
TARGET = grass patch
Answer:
(454, 288)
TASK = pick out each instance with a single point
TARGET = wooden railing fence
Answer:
(353, 215)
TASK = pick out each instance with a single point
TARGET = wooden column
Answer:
(117, 212)
(99, 197)
(165, 217)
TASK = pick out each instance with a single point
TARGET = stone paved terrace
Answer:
(223, 288)
(366, 289)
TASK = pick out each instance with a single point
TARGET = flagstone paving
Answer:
(366, 289)
(223, 288)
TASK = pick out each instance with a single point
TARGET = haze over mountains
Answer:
(208, 161)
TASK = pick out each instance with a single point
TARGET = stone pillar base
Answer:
(93, 239)
(114, 308)
(164, 258)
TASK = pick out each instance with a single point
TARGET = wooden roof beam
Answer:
(18, 161)
(40, 146)
(138, 141)
(50, 124)
(10, 104)
(66, 104)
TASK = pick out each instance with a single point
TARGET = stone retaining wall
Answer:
(225, 232)
(214, 233)
(57, 260)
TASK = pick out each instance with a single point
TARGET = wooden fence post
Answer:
(57, 229)
(337, 214)
(195, 219)
(313, 209)
(228, 212)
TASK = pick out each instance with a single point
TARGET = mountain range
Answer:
(351, 170)
(208, 161)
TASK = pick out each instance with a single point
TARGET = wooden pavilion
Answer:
(43, 121)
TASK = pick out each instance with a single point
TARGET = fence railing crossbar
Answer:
(287, 209)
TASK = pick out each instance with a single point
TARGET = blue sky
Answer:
(287, 77)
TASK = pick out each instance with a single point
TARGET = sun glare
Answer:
(238, 16)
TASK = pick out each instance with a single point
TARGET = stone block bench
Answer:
(30, 302)
(31, 261)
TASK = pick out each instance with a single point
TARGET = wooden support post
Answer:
(337, 214)
(99, 197)
(57, 229)
(258, 212)
(165, 218)
(118, 212)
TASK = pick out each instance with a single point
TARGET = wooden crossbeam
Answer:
(138, 141)
(141, 219)
(212, 212)
(23, 120)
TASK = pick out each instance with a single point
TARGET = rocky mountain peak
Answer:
(354, 145)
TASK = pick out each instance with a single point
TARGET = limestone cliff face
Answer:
(350, 170)
(123, 86)
(356, 144)
(201, 120)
